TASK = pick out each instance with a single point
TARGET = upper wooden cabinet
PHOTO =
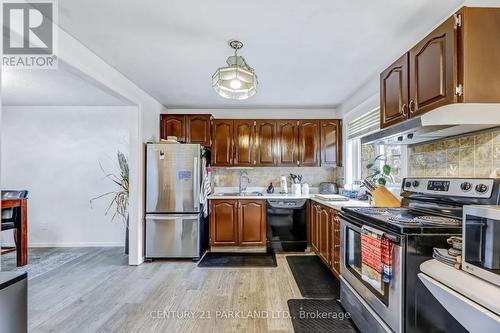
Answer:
(192, 128)
(266, 142)
(244, 142)
(309, 142)
(173, 125)
(394, 93)
(458, 62)
(331, 142)
(287, 142)
(434, 70)
(222, 142)
(237, 222)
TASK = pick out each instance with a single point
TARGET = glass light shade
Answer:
(236, 81)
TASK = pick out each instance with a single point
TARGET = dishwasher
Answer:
(287, 225)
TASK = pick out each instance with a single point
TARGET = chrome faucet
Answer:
(243, 177)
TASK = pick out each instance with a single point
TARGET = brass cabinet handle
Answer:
(411, 106)
(404, 110)
(337, 246)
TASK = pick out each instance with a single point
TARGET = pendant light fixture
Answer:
(237, 80)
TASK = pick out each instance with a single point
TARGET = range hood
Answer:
(446, 121)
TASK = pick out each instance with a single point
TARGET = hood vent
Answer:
(446, 121)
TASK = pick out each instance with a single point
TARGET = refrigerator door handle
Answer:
(196, 183)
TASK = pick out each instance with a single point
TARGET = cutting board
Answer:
(331, 197)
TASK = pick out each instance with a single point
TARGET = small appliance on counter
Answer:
(283, 185)
(328, 188)
(481, 242)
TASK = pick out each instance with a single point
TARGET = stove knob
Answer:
(466, 186)
(481, 188)
(408, 184)
(416, 183)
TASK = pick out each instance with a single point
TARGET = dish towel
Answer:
(205, 187)
(376, 257)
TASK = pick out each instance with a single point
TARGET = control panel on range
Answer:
(460, 187)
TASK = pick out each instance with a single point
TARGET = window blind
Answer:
(367, 123)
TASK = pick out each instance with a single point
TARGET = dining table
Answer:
(21, 228)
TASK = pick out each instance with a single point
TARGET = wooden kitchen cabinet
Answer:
(244, 142)
(173, 125)
(287, 142)
(188, 128)
(222, 142)
(237, 222)
(324, 235)
(265, 153)
(198, 129)
(324, 238)
(224, 223)
(456, 63)
(434, 69)
(331, 142)
(252, 222)
(335, 242)
(309, 142)
(394, 93)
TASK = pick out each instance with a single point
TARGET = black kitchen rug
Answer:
(314, 315)
(215, 259)
(313, 278)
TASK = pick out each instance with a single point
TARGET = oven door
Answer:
(387, 302)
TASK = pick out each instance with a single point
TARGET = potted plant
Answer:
(379, 174)
(119, 197)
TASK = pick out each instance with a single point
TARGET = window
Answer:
(358, 156)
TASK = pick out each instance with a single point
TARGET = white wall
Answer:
(54, 152)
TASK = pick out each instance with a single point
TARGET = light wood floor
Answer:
(98, 292)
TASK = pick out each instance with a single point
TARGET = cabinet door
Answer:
(434, 69)
(335, 246)
(287, 142)
(198, 129)
(331, 141)
(266, 142)
(244, 142)
(173, 125)
(394, 93)
(222, 142)
(309, 142)
(315, 228)
(223, 223)
(324, 235)
(252, 222)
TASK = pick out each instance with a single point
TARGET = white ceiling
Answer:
(305, 53)
(63, 86)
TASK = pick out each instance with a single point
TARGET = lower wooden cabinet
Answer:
(324, 226)
(237, 222)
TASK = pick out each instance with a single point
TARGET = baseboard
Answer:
(76, 244)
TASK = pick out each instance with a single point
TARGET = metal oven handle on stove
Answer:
(356, 224)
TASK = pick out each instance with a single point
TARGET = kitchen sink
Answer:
(236, 194)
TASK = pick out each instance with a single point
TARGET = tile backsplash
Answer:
(262, 176)
(474, 155)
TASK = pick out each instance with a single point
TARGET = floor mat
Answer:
(313, 315)
(214, 259)
(313, 278)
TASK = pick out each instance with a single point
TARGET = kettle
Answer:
(283, 185)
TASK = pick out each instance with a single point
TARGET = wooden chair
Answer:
(11, 216)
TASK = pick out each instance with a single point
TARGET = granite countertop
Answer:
(218, 195)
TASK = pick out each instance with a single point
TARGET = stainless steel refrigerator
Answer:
(173, 218)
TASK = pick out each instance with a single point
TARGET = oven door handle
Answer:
(392, 237)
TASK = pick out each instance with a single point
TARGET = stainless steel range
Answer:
(431, 213)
